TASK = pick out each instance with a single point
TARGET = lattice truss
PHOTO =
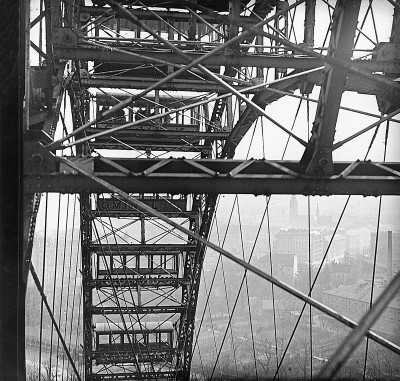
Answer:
(144, 113)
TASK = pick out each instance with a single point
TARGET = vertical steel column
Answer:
(86, 236)
(395, 33)
(309, 23)
(192, 269)
(317, 157)
(279, 31)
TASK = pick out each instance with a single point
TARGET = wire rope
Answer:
(247, 293)
(119, 307)
(312, 287)
(69, 276)
(210, 317)
(322, 262)
(69, 273)
(122, 292)
(130, 289)
(208, 293)
(309, 284)
(268, 220)
(272, 286)
(74, 297)
(55, 325)
(237, 296)
(363, 22)
(215, 272)
(270, 247)
(63, 273)
(309, 247)
(357, 29)
(309, 273)
(55, 275)
(43, 278)
(371, 297)
(374, 25)
(101, 301)
(225, 288)
(230, 314)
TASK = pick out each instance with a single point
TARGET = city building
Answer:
(358, 241)
(296, 241)
(354, 300)
(387, 250)
(337, 248)
(293, 211)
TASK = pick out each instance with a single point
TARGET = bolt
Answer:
(37, 158)
(323, 162)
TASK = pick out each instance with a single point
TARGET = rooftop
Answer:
(361, 292)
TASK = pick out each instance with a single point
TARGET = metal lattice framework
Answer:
(139, 107)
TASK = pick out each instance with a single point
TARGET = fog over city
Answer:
(242, 322)
(339, 250)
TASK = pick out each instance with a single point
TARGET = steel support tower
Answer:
(140, 106)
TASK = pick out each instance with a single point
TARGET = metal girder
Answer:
(217, 60)
(87, 271)
(208, 6)
(193, 264)
(127, 356)
(143, 14)
(233, 176)
(395, 33)
(117, 249)
(354, 83)
(182, 84)
(149, 135)
(31, 208)
(141, 282)
(135, 214)
(318, 155)
(255, 270)
(193, 268)
(168, 375)
(183, 147)
(309, 23)
(118, 310)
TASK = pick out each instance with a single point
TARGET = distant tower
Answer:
(294, 211)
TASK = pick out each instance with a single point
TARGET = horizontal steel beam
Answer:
(167, 15)
(144, 355)
(126, 376)
(137, 310)
(152, 135)
(142, 282)
(133, 213)
(354, 83)
(243, 60)
(182, 84)
(181, 176)
(114, 249)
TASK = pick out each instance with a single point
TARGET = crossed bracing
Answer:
(314, 174)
